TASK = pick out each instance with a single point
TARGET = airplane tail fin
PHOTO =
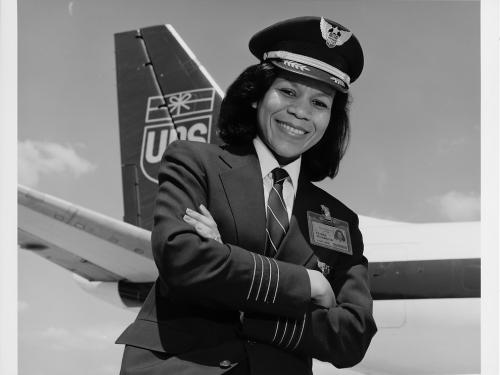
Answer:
(164, 94)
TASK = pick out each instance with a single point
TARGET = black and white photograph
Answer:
(251, 187)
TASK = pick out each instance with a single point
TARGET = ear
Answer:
(254, 105)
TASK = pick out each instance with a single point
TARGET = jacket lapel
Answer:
(244, 191)
(245, 194)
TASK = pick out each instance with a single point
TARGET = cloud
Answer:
(108, 369)
(22, 306)
(457, 206)
(54, 333)
(37, 158)
(381, 179)
(83, 338)
(380, 214)
(71, 6)
(89, 346)
(451, 144)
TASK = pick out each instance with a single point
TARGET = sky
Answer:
(415, 115)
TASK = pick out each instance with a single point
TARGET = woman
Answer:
(250, 279)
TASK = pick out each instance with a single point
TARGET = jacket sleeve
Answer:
(199, 268)
(339, 335)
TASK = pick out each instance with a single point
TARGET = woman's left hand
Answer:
(203, 222)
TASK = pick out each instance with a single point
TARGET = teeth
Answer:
(291, 129)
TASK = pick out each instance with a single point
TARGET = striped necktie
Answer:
(277, 215)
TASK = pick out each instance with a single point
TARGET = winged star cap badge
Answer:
(332, 35)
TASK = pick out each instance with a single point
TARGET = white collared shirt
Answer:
(267, 163)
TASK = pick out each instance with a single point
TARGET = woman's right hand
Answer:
(203, 223)
(321, 290)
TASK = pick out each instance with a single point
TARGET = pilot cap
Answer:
(314, 47)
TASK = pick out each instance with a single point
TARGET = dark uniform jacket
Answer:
(190, 321)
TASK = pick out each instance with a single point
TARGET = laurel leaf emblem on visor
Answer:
(296, 65)
(333, 35)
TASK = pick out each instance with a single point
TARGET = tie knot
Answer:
(279, 175)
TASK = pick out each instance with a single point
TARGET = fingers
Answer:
(321, 290)
(204, 224)
(207, 220)
(190, 220)
(202, 229)
(205, 212)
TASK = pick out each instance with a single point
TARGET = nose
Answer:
(300, 108)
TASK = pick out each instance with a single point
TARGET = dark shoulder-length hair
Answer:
(238, 121)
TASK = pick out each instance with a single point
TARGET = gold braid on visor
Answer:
(308, 61)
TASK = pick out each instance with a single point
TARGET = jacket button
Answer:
(225, 363)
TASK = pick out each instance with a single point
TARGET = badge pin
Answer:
(333, 36)
(326, 212)
(324, 268)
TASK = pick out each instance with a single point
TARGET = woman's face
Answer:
(293, 116)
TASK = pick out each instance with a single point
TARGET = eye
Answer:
(287, 91)
(320, 104)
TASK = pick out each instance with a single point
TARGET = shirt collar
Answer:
(268, 162)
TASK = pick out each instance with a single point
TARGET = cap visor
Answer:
(311, 72)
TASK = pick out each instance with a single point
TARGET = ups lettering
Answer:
(157, 141)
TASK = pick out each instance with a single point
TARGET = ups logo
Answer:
(185, 115)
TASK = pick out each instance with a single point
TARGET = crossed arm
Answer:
(318, 342)
(321, 292)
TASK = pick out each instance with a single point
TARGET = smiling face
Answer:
(293, 116)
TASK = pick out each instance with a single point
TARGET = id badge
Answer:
(328, 232)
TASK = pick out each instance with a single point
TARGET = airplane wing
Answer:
(92, 245)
